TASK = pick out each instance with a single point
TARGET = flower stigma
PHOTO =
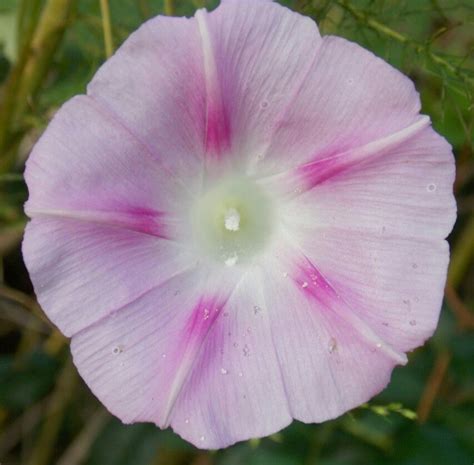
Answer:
(232, 220)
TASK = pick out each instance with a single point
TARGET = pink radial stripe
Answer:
(149, 347)
(202, 318)
(217, 120)
(82, 271)
(315, 286)
(138, 219)
(325, 168)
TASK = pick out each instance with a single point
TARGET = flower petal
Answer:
(155, 86)
(350, 98)
(262, 53)
(197, 359)
(83, 271)
(107, 176)
(234, 390)
(407, 193)
(330, 360)
(377, 233)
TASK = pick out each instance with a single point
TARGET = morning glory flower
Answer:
(240, 224)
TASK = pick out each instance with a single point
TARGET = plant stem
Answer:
(107, 28)
(27, 75)
(44, 447)
(169, 7)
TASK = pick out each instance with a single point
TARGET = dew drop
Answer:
(240, 374)
(202, 438)
(431, 187)
(412, 322)
(256, 309)
(224, 371)
(285, 274)
(304, 285)
(332, 345)
(378, 345)
(414, 266)
(117, 350)
(264, 104)
(246, 350)
(206, 313)
(163, 355)
(186, 421)
(235, 345)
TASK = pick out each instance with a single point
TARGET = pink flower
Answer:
(241, 223)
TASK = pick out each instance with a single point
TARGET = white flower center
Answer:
(233, 221)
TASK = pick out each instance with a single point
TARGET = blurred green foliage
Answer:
(47, 415)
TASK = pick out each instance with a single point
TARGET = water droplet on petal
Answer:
(414, 266)
(332, 345)
(246, 350)
(240, 374)
(117, 350)
(206, 313)
(304, 285)
(202, 438)
(285, 274)
(186, 421)
(256, 309)
(412, 322)
(224, 371)
(378, 345)
(431, 187)
(163, 355)
(264, 104)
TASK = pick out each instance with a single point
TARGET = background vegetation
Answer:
(49, 50)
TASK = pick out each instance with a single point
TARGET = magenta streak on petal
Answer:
(187, 349)
(333, 163)
(315, 286)
(217, 119)
(319, 171)
(137, 219)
